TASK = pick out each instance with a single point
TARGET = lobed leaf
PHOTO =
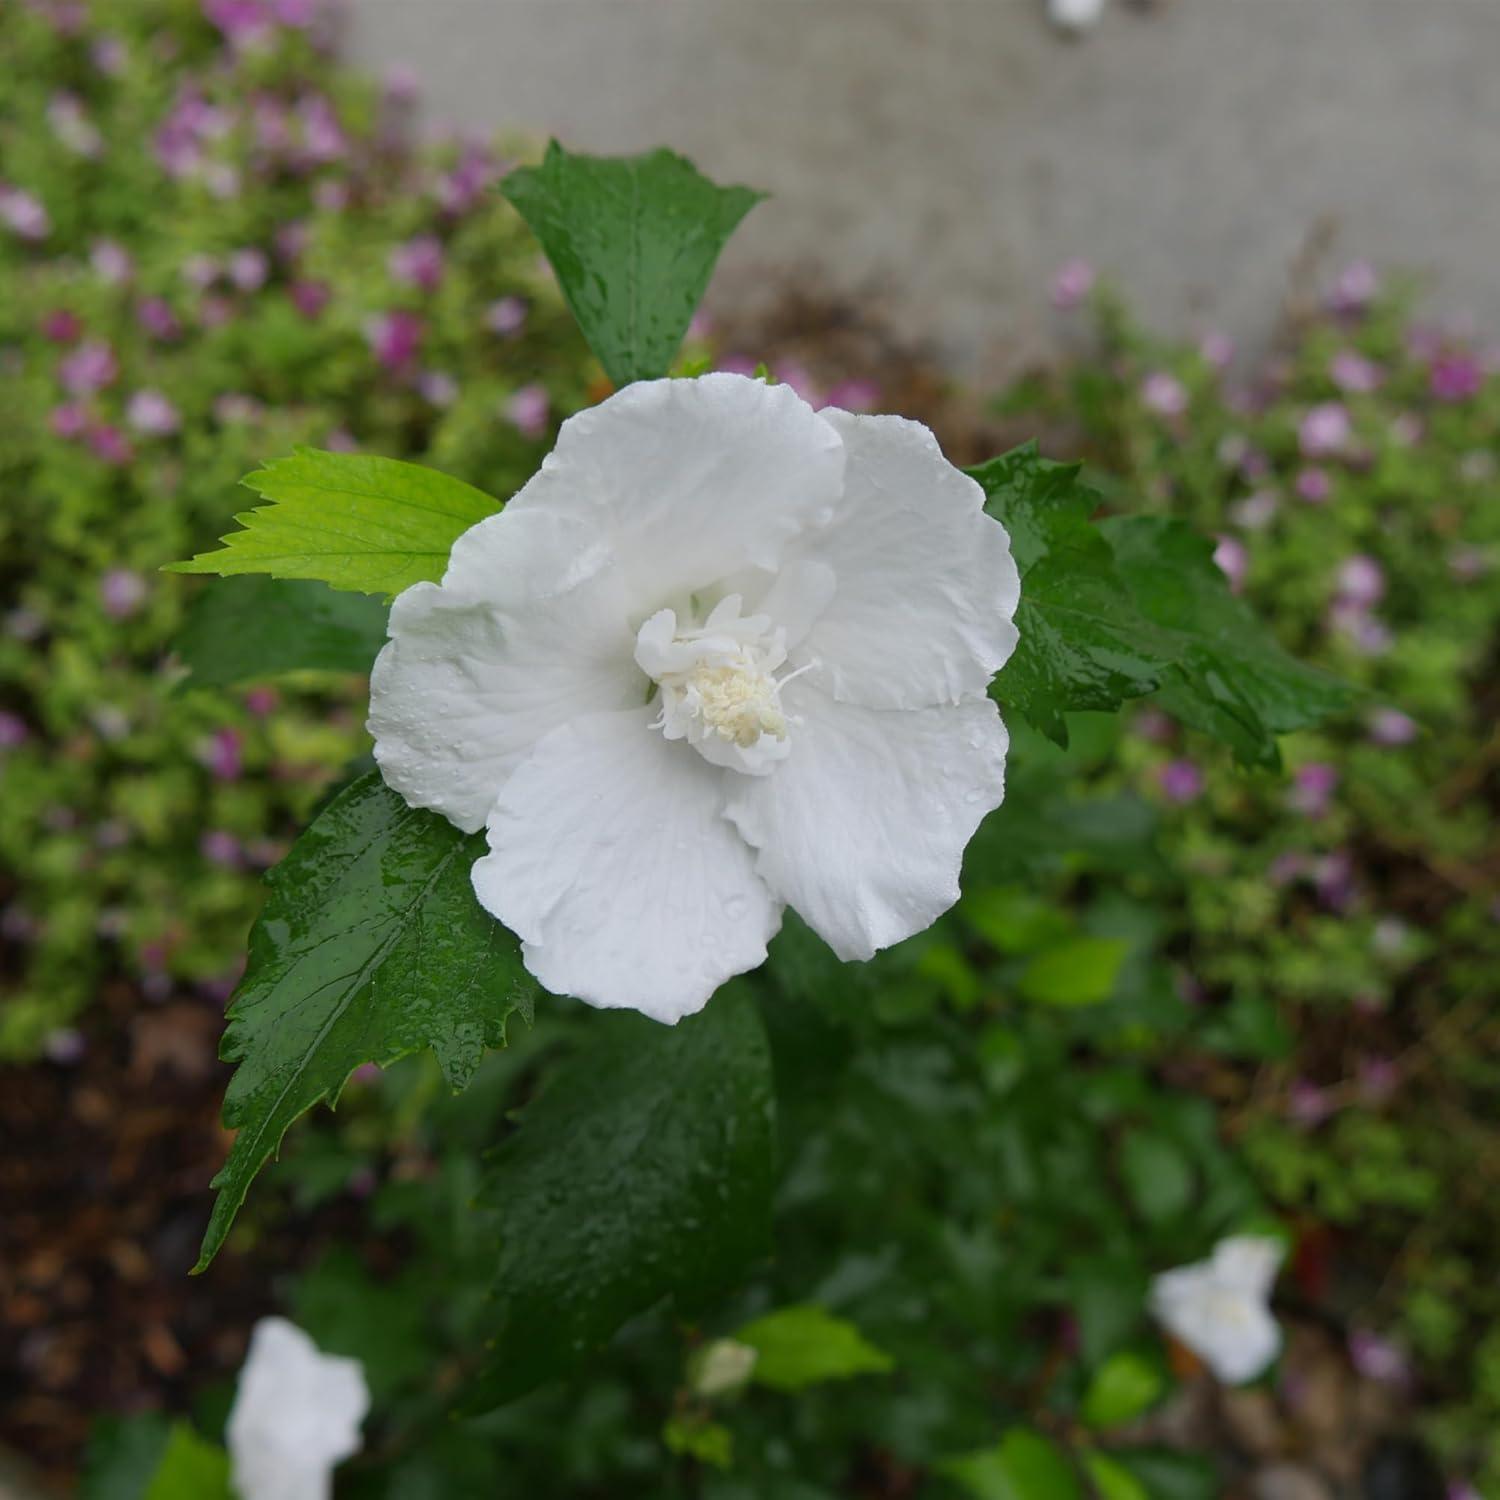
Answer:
(633, 240)
(244, 628)
(371, 945)
(644, 1169)
(357, 522)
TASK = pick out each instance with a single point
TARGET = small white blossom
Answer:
(723, 654)
(296, 1415)
(722, 1368)
(1074, 15)
(1220, 1307)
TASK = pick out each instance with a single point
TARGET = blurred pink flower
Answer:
(1071, 284)
(219, 847)
(323, 139)
(69, 122)
(1333, 879)
(89, 368)
(201, 271)
(261, 701)
(109, 55)
(70, 420)
(291, 240)
(529, 410)
(1255, 512)
(1164, 394)
(854, 395)
(1233, 561)
(249, 268)
(311, 297)
(223, 755)
(1361, 580)
(155, 315)
(61, 326)
(332, 195)
(418, 262)
(112, 262)
(1467, 564)
(394, 338)
(507, 316)
(1407, 429)
(13, 730)
(215, 311)
(1351, 371)
(1356, 286)
(1217, 349)
(459, 190)
(1377, 1358)
(1455, 377)
(111, 445)
(402, 84)
(122, 592)
(23, 214)
(1181, 781)
(1389, 726)
(1313, 786)
(1325, 430)
(152, 414)
(1306, 1104)
(341, 440)
(1379, 1078)
(1314, 486)
(437, 387)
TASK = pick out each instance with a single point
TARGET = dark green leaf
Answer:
(1228, 677)
(644, 1169)
(1166, 1475)
(242, 628)
(1022, 1466)
(124, 1453)
(370, 525)
(1080, 970)
(1107, 1296)
(1083, 641)
(802, 1346)
(371, 945)
(1113, 1480)
(1126, 1385)
(633, 240)
(1158, 1175)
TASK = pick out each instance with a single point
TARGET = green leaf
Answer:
(1228, 677)
(644, 1169)
(633, 240)
(1158, 1174)
(123, 1455)
(805, 1345)
(1124, 1387)
(1113, 1480)
(192, 1468)
(1022, 1466)
(1080, 971)
(244, 628)
(369, 525)
(1107, 1295)
(1168, 1475)
(371, 945)
(1083, 641)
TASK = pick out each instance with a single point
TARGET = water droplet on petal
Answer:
(736, 907)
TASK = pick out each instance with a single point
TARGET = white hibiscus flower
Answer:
(296, 1415)
(721, 655)
(1220, 1307)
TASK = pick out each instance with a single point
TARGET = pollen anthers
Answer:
(718, 684)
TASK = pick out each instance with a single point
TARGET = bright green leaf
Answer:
(371, 945)
(369, 525)
(243, 628)
(1229, 677)
(1080, 971)
(192, 1468)
(1113, 1480)
(1125, 1386)
(804, 1345)
(709, 1443)
(1013, 920)
(1158, 1174)
(643, 1169)
(633, 240)
(1168, 1475)
(1083, 641)
(1022, 1466)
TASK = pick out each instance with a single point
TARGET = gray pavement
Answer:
(952, 152)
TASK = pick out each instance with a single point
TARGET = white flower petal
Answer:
(296, 1415)
(610, 859)
(926, 585)
(862, 828)
(689, 481)
(1219, 1307)
(465, 688)
(1249, 1262)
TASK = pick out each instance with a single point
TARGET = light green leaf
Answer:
(1124, 1387)
(1083, 641)
(643, 1170)
(244, 628)
(805, 1345)
(192, 1468)
(369, 525)
(1080, 971)
(1158, 1174)
(1113, 1480)
(1022, 1466)
(1165, 1474)
(633, 240)
(1229, 677)
(371, 945)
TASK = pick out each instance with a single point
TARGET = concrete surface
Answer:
(953, 152)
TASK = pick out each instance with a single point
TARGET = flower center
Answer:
(717, 682)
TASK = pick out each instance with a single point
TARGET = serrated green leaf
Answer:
(643, 1170)
(191, 1468)
(1158, 1174)
(1022, 1466)
(805, 1345)
(123, 1455)
(633, 240)
(1228, 678)
(371, 945)
(1083, 641)
(1125, 1386)
(244, 628)
(369, 525)
(1081, 970)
